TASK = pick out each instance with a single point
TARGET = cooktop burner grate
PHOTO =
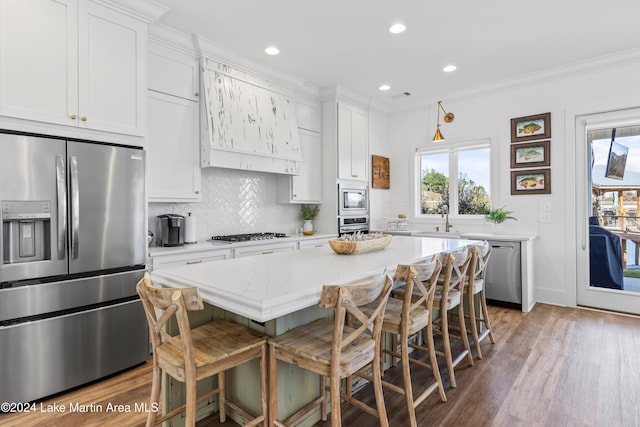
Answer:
(248, 237)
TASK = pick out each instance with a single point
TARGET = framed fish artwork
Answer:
(531, 127)
(533, 181)
(531, 154)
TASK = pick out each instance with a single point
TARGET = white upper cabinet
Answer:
(173, 147)
(306, 187)
(73, 63)
(173, 159)
(173, 73)
(309, 115)
(353, 142)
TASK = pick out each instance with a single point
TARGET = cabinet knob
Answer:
(197, 191)
(196, 94)
(73, 117)
(83, 118)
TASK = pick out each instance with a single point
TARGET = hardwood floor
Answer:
(554, 366)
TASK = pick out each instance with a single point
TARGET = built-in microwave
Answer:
(353, 198)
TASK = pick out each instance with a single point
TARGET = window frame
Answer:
(453, 149)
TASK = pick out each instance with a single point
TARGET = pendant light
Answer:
(448, 118)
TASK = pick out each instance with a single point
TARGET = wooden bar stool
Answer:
(475, 285)
(197, 353)
(448, 296)
(331, 348)
(408, 313)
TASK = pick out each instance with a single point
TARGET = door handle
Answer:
(75, 207)
(61, 189)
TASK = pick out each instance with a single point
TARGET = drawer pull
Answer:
(319, 245)
(267, 252)
(194, 262)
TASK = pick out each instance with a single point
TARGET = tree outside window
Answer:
(471, 169)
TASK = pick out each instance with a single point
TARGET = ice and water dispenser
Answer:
(26, 227)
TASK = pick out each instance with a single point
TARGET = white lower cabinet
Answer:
(265, 249)
(313, 243)
(185, 256)
(189, 258)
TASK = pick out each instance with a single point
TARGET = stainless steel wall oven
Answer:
(353, 207)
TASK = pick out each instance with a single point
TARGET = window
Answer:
(465, 167)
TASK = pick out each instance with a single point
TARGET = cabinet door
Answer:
(307, 187)
(112, 70)
(173, 73)
(352, 143)
(190, 258)
(359, 145)
(38, 60)
(313, 243)
(264, 249)
(173, 149)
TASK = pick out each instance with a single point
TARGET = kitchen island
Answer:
(277, 292)
(267, 287)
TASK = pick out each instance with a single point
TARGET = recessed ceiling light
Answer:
(397, 28)
(272, 50)
(449, 68)
(384, 87)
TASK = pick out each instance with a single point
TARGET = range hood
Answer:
(247, 123)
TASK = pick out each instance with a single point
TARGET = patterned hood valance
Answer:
(247, 124)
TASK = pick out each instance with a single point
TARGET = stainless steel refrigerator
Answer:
(73, 248)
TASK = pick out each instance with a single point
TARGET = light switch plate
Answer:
(546, 206)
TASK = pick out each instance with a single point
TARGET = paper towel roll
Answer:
(190, 229)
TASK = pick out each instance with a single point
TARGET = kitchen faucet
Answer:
(445, 213)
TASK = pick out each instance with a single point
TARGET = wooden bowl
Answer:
(308, 232)
(348, 248)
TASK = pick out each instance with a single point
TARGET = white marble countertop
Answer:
(212, 244)
(269, 286)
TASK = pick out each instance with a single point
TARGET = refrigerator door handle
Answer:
(75, 206)
(61, 187)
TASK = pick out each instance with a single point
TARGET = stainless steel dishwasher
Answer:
(503, 280)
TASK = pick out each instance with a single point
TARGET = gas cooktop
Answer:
(248, 237)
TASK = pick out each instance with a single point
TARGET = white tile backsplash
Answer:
(234, 201)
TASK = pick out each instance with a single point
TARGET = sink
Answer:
(440, 234)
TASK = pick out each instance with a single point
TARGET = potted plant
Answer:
(497, 216)
(307, 214)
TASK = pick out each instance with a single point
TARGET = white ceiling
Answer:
(347, 42)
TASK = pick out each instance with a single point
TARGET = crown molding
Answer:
(590, 66)
(143, 10)
(169, 37)
(342, 93)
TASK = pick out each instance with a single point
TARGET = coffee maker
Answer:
(170, 230)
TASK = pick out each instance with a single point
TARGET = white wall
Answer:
(487, 114)
(234, 202)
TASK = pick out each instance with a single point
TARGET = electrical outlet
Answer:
(545, 217)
